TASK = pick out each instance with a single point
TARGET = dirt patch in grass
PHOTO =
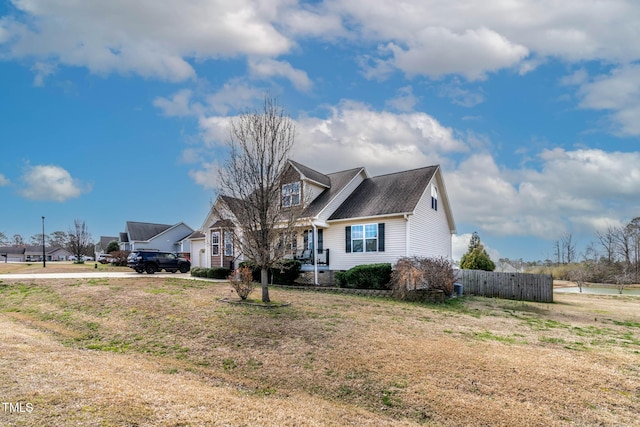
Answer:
(165, 351)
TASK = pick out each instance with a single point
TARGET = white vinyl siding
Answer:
(198, 250)
(341, 197)
(167, 241)
(394, 243)
(429, 233)
(311, 191)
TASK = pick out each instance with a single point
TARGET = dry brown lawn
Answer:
(165, 351)
(55, 267)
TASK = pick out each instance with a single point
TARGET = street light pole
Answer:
(44, 254)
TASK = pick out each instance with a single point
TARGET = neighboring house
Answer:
(349, 219)
(32, 254)
(161, 237)
(58, 254)
(507, 267)
(101, 246)
(12, 253)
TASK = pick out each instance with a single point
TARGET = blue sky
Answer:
(117, 111)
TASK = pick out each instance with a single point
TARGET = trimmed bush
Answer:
(285, 272)
(211, 273)
(218, 273)
(368, 276)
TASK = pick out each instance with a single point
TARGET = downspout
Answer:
(407, 236)
(314, 253)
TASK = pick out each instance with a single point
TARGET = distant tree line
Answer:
(613, 257)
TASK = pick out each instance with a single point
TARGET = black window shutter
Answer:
(320, 243)
(381, 237)
(347, 239)
(305, 239)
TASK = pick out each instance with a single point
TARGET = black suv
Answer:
(152, 261)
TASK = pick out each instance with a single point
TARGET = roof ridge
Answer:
(404, 171)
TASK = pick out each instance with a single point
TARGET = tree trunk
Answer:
(264, 280)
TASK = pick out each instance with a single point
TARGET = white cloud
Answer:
(214, 130)
(4, 181)
(41, 71)
(460, 246)
(179, 105)
(49, 182)
(266, 68)
(405, 101)
(382, 141)
(140, 37)
(234, 95)
(206, 176)
(582, 186)
(618, 92)
(354, 135)
(439, 51)
(573, 30)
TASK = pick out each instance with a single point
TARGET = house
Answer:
(13, 254)
(161, 237)
(58, 254)
(32, 254)
(101, 246)
(349, 219)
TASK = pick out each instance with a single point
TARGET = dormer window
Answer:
(291, 194)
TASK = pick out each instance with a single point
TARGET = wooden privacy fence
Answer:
(516, 286)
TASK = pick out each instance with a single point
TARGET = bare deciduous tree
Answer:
(569, 248)
(79, 239)
(259, 146)
(608, 242)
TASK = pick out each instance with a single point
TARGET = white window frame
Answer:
(215, 243)
(291, 194)
(363, 237)
(228, 243)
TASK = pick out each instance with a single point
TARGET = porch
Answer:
(307, 258)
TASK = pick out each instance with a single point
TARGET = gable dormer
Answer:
(302, 185)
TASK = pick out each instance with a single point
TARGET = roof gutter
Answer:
(361, 218)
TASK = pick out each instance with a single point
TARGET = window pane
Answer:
(357, 246)
(371, 231)
(295, 199)
(357, 232)
(372, 245)
(228, 244)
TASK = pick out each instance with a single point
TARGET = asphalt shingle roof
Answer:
(337, 181)
(313, 175)
(386, 194)
(141, 231)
